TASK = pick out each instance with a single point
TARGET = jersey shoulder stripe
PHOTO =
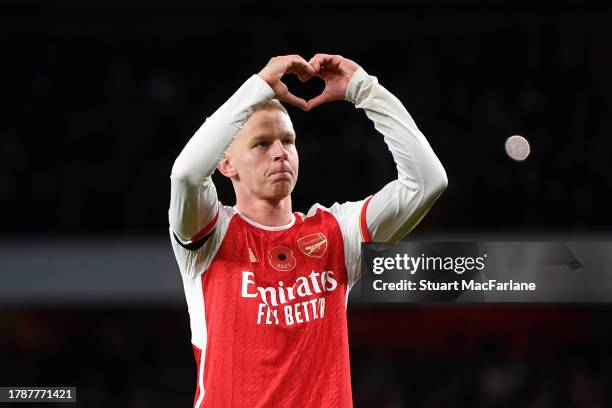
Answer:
(193, 262)
(363, 224)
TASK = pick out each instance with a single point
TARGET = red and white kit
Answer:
(267, 305)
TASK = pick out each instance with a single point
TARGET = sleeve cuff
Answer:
(262, 86)
(356, 85)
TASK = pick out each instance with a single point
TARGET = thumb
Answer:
(316, 101)
(293, 100)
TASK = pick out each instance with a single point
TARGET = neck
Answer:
(271, 213)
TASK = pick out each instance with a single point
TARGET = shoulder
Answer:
(195, 257)
(340, 211)
(350, 216)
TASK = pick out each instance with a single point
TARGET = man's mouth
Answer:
(282, 173)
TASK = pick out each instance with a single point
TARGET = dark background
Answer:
(98, 98)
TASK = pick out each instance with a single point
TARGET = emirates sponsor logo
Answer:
(313, 245)
(281, 259)
(285, 303)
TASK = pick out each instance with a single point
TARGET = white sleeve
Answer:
(400, 205)
(193, 262)
(193, 199)
(349, 216)
(391, 213)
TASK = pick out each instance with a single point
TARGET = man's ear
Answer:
(225, 167)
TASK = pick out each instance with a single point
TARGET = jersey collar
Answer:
(265, 227)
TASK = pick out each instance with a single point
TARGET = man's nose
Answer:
(278, 150)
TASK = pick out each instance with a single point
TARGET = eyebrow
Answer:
(261, 137)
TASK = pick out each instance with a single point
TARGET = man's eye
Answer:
(288, 141)
(261, 144)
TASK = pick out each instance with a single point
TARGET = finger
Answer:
(298, 65)
(316, 62)
(323, 59)
(294, 100)
(304, 77)
(302, 72)
(316, 101)
(319, 61)
(326, 63)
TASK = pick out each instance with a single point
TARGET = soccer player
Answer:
(267, 287)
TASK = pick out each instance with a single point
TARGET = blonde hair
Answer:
(269, 105)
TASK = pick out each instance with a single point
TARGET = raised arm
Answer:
(393, 211)
(193, 198)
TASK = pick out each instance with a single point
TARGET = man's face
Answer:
(263, 158)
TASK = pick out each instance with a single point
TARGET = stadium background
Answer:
(99, 97)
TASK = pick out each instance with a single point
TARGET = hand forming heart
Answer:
(335, 70)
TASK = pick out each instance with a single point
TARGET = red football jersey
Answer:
(267, 304)
(268, 308)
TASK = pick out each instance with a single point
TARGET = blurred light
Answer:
(517, 147)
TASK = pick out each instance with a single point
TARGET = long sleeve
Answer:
(400, 205)
(193, 198)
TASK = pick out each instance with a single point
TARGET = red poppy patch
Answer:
(281, 258)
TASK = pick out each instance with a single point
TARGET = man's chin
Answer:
(281, 190)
